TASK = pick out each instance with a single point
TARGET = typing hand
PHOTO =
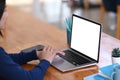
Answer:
(48, 53)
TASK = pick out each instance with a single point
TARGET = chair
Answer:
(103, 11)
(87, 3)
(118, 23)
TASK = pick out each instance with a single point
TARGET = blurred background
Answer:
(55, 12)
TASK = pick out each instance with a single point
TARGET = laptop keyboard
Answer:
(74, 58)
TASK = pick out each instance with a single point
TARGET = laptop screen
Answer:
(85, 37)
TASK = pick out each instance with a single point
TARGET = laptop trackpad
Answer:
(62, 64)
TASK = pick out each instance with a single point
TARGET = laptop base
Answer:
(63, 65)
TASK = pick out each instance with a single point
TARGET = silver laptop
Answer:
(84, 48)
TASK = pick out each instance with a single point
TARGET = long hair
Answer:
(2, 7)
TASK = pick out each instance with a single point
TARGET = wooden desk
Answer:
(23, 31)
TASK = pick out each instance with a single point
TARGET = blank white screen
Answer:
(85, 37)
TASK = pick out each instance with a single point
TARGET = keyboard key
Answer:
(74, 58)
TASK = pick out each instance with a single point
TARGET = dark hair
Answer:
(2, 7)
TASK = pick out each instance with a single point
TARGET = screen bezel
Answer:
(99, 35)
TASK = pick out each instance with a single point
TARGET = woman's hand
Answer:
(48, 54)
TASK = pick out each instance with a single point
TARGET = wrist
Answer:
(46, 60)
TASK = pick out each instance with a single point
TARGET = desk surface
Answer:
(23, 31)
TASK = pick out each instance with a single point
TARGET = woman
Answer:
(10, 68)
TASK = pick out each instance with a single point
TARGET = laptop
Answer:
(84, 48)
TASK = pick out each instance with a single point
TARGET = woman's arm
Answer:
(9, 70)
(23, 58)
